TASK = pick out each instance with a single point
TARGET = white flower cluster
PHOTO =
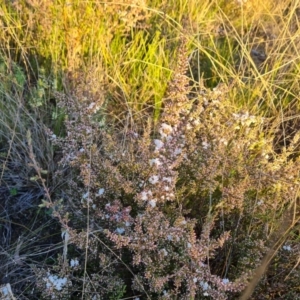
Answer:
(164, 252)
(147, 196)
(155, 161)
(94, 107)
(166, 131)
(158, 144)
(6, 292)
(152, 202)
(53, 281)
(87, 199)
(260, 202)
(74, 263)
(85, 195)
(154, 179)
(159, 161)
(120, 230)
(245, 119)
(101, 192)
(287, 248)
(205, 286)
(205, 145)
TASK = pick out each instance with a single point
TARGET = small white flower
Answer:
(155, 161)
(205, 294)
(158, 144)
(260, 202)
(195, 280)
(91, 105)
(144, 196)
(189, 245)
(101, 192)
(5, 291)
(205, 286)
(53, 136)
(120, 230)
(170, 196)
(167, 179)
(196, 122)
(164, 251)
(53, 281)
(177, 151)
(287, 248)
(85, 195)
(169, 237)
(152, 202)
(225, 280)
(97, 108)
(236, 116)
(205, 145)
(154, 179)
(74, 263)
(223, 141)
(165, 129)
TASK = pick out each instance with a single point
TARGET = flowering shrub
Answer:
(168, 203)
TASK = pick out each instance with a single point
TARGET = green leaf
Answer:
(13, 191)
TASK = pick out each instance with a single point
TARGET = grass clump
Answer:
(149, 149)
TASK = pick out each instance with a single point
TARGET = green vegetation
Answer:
(149, 149)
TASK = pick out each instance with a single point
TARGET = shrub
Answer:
(154, 199)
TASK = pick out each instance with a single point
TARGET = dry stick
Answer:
(260, 270)
(87, 240)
